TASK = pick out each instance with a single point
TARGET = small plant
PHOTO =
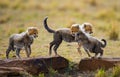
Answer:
(100, 73)
(116, 71)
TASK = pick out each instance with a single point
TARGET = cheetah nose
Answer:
(35, 36)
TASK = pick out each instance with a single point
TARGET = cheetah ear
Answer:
(29, 30)
(84, 25)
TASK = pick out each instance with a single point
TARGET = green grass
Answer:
(113, 72)
(100, 73)
(17, 15)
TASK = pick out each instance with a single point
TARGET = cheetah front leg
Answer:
(79, 46)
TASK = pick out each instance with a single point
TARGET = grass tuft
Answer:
(114, 34)
(52, 72)
(106, 14)
(100, 73)
(4, 4)
(93, 2)
(41, 75)
(116, 71)
(21, 30)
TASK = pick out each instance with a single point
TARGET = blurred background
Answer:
(17, 15)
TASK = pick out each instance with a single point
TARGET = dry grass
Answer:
(114, 32)
(17, 15)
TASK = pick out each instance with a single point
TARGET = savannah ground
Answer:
(17, 15)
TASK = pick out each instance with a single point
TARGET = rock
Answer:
(90, 64)
(38, 65)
